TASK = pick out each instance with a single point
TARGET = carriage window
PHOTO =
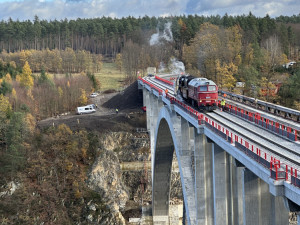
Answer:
(203, 88)
(211, 88)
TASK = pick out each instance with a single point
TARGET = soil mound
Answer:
(129, 98)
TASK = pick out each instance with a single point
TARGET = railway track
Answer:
(269, 143)
(277, 110)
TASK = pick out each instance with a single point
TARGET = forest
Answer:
(49, 67)
(226, 49)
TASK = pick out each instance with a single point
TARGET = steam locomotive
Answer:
(201, 93)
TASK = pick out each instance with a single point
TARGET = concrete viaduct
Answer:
(221, 184)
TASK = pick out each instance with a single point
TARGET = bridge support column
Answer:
(147, 103)
(154, 108)
(203, 180)
(236, 191)
(279, 214)
(185, 159)
(221, 187)
(260, 206)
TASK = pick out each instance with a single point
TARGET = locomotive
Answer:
(201, 93)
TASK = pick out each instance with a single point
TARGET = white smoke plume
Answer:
(162, 67)
(159, 36)
(174, 66)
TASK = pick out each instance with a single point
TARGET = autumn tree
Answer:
(266, 88)
(119, 61)
(273, 56)
(225, 75)
(130, 59)
(204, 50)
(26, 80)
(24, 56)
(14, 98)
(83, 98)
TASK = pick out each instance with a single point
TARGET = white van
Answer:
(85, 109)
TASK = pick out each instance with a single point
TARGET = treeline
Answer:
(55, 61)
(107, 36)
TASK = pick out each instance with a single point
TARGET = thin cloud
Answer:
(72, 9)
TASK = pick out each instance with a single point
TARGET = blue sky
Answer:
(72, 9)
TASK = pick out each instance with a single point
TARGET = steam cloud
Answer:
(175, 67)
(165, 35)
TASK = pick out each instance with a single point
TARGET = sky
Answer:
(73, 9)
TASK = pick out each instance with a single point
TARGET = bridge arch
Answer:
(167, 140)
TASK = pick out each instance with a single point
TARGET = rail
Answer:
(266, 106)
(164, 80)
(276, 127)
(278, 169)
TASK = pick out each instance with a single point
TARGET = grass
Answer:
(110, 77)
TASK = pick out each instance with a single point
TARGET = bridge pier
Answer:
(221, 186)
(236, 184)
(185, 156)
(259, 205)
(203, 179)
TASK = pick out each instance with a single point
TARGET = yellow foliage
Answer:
(24, 56)
(264, 83)
(5, 106)
(18, 78)
(13, 64)
(30, 122)
(14, 94)
(119, 61)
(234, 44)
(78, 194)
(297, 105)
(26, 78)
(284, 58)
(181, 23)
(1, 81)
(225, 74)
(83, 98)
(63, 131)
(60, 91)
(75, 184)
(249, 54)
(84, 152)
(29, 94)
(7, 78)
(69, 166)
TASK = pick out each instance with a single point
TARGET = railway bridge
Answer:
(229, 173)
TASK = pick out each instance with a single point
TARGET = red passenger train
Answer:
(199, 92)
